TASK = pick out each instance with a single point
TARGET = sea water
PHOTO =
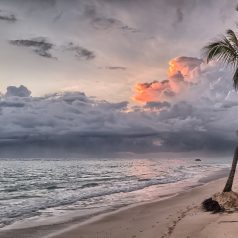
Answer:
(44, 190)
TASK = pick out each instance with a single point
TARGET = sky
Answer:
(107, 77)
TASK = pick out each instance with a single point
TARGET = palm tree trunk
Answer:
(229, 183)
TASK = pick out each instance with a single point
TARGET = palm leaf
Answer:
(223, 50)
(231, 36)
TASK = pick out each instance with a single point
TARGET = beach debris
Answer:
(211, 205)
(219, 202)
(227, 200)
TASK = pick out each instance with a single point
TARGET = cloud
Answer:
(8, 17)
(154, 91)
(11, 104)
(71, 21)
(182, 74)
(39, 45)
(184, 65)
(80, 52)
(101, 21)
(20, 91)
(104, 23)
(179, 17)
(202, 115)
(73, 124)
(195, 102)
(157, 105)
(71, 121)
(42, 47)
(116, 68)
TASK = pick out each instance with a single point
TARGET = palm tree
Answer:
(225, 50)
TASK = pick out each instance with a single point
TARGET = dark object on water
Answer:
(198, 160)
(210, 205)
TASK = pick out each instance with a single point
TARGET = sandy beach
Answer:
(177, 217)
(180, 216)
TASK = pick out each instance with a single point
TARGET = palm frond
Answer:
(222, 50)
(231, 36)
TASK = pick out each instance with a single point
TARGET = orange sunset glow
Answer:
(180, 74)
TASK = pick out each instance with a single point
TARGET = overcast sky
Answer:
(114, 76)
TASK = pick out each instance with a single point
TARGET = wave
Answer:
(79, 192)
(36, 207)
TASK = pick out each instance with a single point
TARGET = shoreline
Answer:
(163, 215)
(178, 217)
(74, 226)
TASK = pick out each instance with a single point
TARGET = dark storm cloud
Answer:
(69, 124)
(74, 146)
(196, 141)
(39, 45)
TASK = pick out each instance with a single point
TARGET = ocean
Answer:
(34, 192)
